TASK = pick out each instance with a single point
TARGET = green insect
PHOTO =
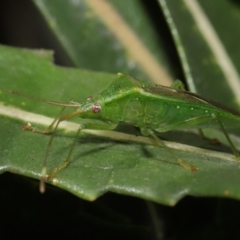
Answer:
(152, 108)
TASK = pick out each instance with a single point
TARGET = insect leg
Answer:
(211, 140)
(48, 130)
(44, 168)
(67, 161)
(108, 126)
(235, 152)
(201, 119)
(150, 132)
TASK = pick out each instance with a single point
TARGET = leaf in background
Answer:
(107, 36)
(204, 39)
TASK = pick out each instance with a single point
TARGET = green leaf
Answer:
(103, 160)
(203, 38)
(107, 36)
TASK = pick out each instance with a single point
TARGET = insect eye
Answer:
(96, 108)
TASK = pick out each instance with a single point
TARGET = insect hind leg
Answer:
(234, 150)
(150, 132)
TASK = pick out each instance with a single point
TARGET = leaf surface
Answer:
(120, 162)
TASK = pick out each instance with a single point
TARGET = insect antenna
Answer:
(41, 99)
